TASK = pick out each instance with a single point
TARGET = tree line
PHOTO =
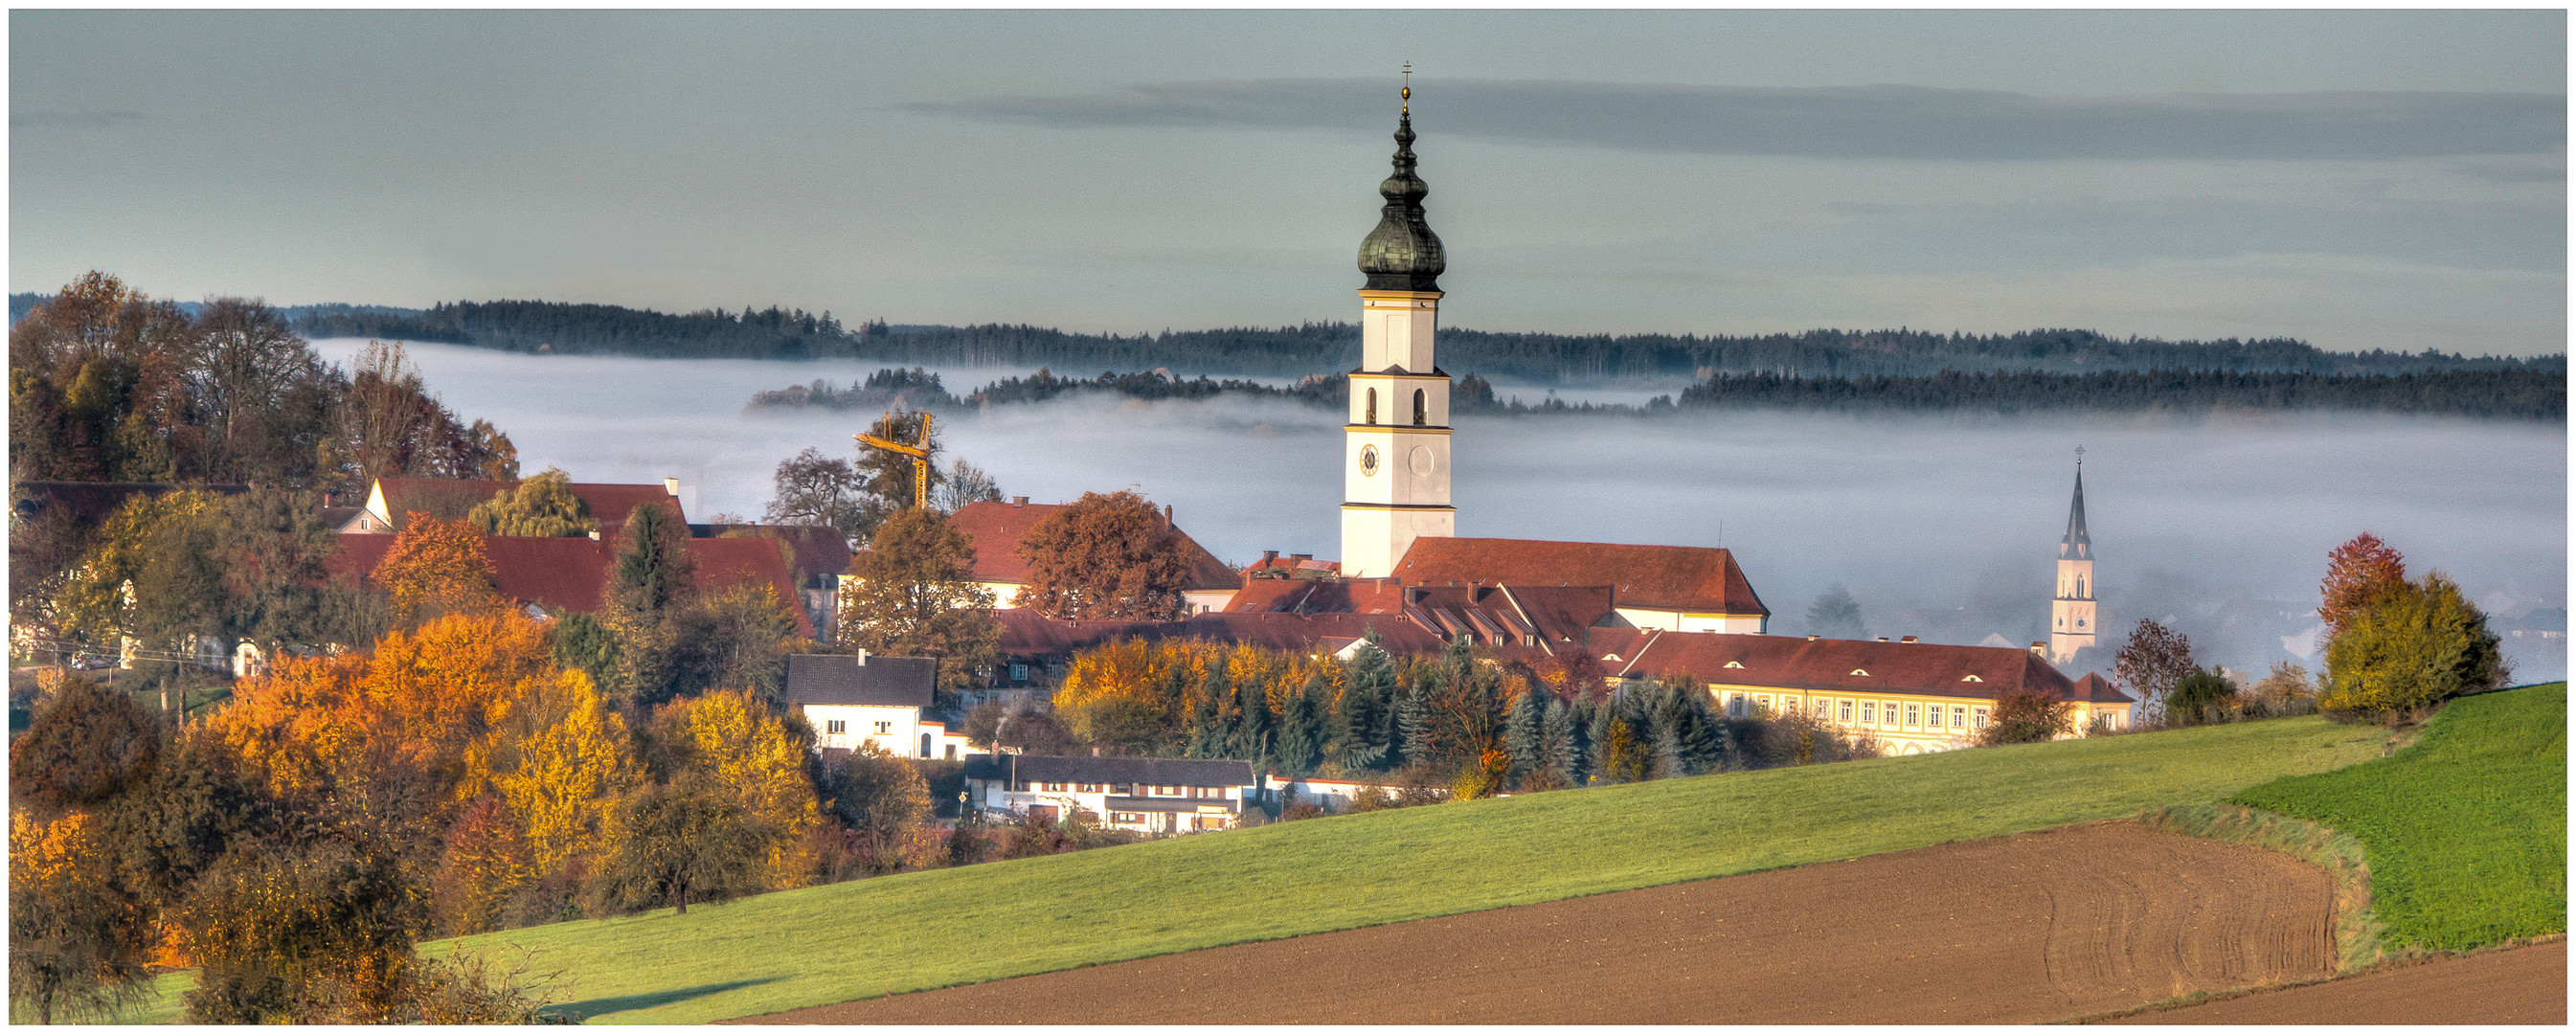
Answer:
(2524, 393)
(775, 333)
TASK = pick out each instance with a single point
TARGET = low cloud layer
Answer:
(1842, 122)
(1941, 528)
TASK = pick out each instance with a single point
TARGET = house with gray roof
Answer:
(856, 699)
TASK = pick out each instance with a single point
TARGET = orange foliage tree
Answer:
(752, 756)
(2359, 573)
(437, 567)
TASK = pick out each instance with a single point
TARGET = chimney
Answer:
(1268, 555)
(1019, 500)
(326, 498)
(2039, 650)
(1882, 639)
(671, 485)
(1167, 513)
(1299, 558)
(863, 656)
(1907, 639)
(1095, 752)
(1813, 638)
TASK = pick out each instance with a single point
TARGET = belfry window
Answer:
(1421, 414)
(1372, 405)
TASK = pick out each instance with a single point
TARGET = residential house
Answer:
(572, 574)
(856, 699)
(1146, 795)
(816, 555)
(609, 504)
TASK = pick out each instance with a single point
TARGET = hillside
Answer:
(951, 926)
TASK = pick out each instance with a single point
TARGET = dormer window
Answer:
(1735, 664)
(1971, 678)
(1860, 672)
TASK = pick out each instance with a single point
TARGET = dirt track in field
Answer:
(2032, 927)
(2512, 985)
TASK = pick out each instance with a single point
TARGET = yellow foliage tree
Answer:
(752, 755)
(568, 772)
(1116, 692)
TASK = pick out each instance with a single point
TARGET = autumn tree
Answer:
(2416, 646)
(542, 506)
(155, 574)
(965, 483)
(811, 488)
(389, 426)
(487, 858)
(434, 568)
(1114, 694)
(881, 799)
(758, 759)
(77, 941)
(2359, 573)
(1105, 557)
(671, 844)
(263, 394)
(317, 931)
(2151, 663)
(912, 593)
(85, 746)
(2026, 715)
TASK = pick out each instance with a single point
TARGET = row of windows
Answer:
(1421, 413)
(1873, 713)
(1123, 789)
(836, 727)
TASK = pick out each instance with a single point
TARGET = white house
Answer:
(856, 699)
(1147, 795)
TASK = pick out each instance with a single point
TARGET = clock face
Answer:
(1368, 461)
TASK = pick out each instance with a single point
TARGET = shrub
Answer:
(2419, 645)
(2204, 696)
(2024, 715)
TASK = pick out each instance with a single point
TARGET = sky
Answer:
(2356, 179)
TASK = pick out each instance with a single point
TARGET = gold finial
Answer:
(1408, 88)
(2079, 456)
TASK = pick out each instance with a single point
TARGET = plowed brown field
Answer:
(2037, 926)
(2514, 985)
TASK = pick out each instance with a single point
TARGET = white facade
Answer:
(900, 731)
(1691, 621)
(1140, 808)
(1395, 462)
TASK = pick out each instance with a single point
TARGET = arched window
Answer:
(1421, 409)
(2079, 586)
(925, 744)
(1372, 405)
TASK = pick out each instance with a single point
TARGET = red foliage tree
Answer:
(2359, 573)
(1105, 557)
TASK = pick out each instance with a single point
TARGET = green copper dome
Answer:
(1402, 254)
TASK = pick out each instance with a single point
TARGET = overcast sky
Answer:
(2377, 179)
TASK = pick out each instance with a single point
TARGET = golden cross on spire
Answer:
(1408, 88)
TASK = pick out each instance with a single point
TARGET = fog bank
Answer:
(1944, 528)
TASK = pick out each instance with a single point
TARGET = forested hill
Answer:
(773, 333)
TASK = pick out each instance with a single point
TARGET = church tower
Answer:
(1395, 464)
(2072, 621)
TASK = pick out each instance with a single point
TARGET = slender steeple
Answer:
(1395, 482)
(2077, 545)
(1402, 254)
(2074, 618)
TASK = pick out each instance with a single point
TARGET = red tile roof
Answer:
(819, 548)
(572, 574)
(997, 529)
(1829, 665)
(2096, 689)
(1026, 633)
(1495, 615)
(1692, 579)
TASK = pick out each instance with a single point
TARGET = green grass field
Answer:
(2466, 830)
(954, 926)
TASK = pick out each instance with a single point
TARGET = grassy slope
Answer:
(2466, 830)
(952, 926)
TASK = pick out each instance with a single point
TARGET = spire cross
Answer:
(1407, 93)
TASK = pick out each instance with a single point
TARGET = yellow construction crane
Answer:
(920, 457)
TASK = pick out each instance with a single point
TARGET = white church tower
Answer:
(1395, 481)
(2072, 621)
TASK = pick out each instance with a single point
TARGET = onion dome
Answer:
(1402, 254)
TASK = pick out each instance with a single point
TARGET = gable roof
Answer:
(1692, 579)
(865, 681)
(1494, 614)
(572, 574)
(1149, 771)
(997, 528)
(819, 548)
(2093, 688)
(1854, 666)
